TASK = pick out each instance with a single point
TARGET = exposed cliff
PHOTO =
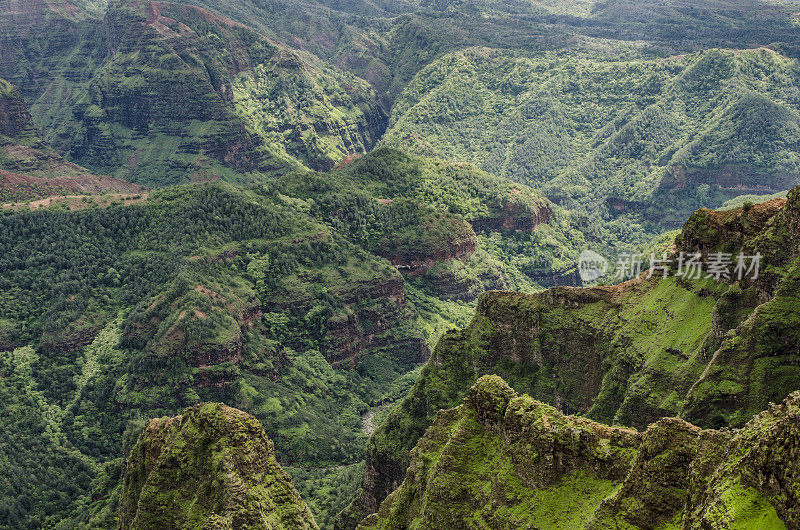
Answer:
(514, 214)
(15, 120)
(434, 239)
(211, 467)
(361, 305)
(711, 352)
(30, 169)
(160, 93)
(506, 461)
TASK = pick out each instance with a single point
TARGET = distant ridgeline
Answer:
(158, 93)
(714, 353)
(622, 142)
(616, 117)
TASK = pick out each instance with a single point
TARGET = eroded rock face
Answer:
(146, 71)
(749, 472)
(513, 462)
(371, 309)
(211, 467)
(706, 230)
(514, 217)
(438, 238)
(15, 120)
(29, 169)
(627, 354)
(656, 484)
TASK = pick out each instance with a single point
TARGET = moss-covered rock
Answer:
(507, 461)
(656, 485)
(211, 467)
(755, 481)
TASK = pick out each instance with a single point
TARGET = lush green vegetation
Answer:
(506, 460)
(310, 299)
(172, 102)
(711, 352)
(327, 491)
(632, 147)
(274, 299)
(211, 466)
(183, 335)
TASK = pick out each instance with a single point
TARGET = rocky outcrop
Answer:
(753, 472)
(435, 239)
(365, 327)
(512, 462)
(707, 230)
(514, 216)
(369, 318)
(492, 458)
(211, 467)
(202, 325)
(655, 487)
(714, 354)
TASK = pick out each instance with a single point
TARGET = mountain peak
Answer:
(212, 465)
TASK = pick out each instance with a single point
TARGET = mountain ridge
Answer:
(508, 461)
(714, 353)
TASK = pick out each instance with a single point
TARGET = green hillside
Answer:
(285, 300)
(714, 353)
(128, 309)
(168, 94)
(337, 216)
(634, 145)
(387, 43)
